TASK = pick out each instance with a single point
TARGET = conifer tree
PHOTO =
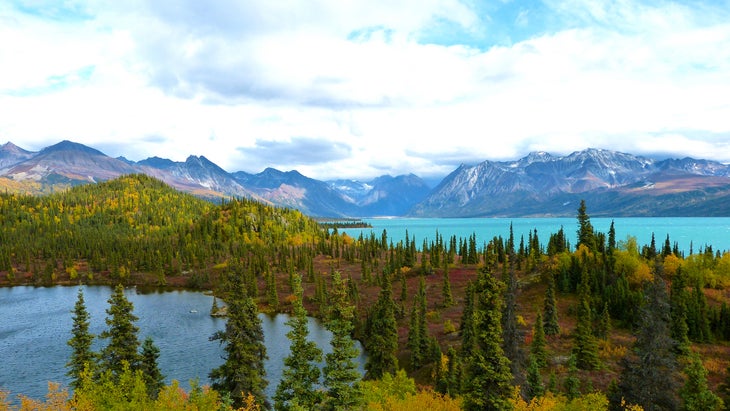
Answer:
(586, 235)
(537, 347)
(511, 336)
(122, 333)
(550, 310)
(468, 332)
(383, 334)
(695, 394)
(603, 329)
(448, 298)
(150, 369)
(341, 377)
(81, 354)
(488, 376)
(535, 386)
(243, 371)
(585, 346)
(301, 373)
(571, 385)
(649, 376)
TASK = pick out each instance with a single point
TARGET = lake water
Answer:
(686, 231)
(36, 323)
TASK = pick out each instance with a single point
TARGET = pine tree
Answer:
(649, 375)
(468, 332)
(301, 374)
(511, 336)
(243, 371)
(695, 394)
(585, 346)
(550, 310)
(382, 343)
(571, 385)
(150, 369)
(122, 333)
(603, 329)
(537, 348)
(341, 377)
(448, 299)
(535, 386)
(586, 235)
(488, 376)
(81, 354)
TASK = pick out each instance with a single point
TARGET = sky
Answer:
(363, 88)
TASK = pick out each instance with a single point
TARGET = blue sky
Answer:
(358, 89)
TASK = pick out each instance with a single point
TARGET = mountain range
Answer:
(540, 184)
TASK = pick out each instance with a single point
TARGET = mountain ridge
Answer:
(538, 184)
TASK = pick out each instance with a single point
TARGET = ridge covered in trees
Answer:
(511, 324)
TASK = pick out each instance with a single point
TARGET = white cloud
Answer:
(222, 79)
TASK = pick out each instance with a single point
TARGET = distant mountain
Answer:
(67, 164)
(613, 184)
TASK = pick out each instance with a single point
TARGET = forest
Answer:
(562, 321)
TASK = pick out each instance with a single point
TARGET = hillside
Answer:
(136, 225)
(596, 297)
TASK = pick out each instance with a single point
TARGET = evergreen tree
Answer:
(448, 299)
(468, 332)
(243, 371)
(585, 346)
(695, 394)
(571, 385)
(383, 335)
(81, 354)
(511, 336)
(122, 333)
(649, 375)
(537, 347)
(550, 310)
(301, 373)
(603, 329)
(586, 235)
(678, 297)
(535, 386)
(153, 377)
(341, 377)
(488, 376)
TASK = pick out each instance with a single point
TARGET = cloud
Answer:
(362, 88)
(295, 151)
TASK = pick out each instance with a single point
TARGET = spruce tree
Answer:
(82, 357)
(678, 297)
(586, 235)
(150, 369)
(571, 384)
(301, 373)
(511, 336)
(448, 299)
(585, 346)
(537, 347)
(122, 333)
(468, 332)
(488, 376)
(550, 310)
(341, 377)
(243, 371)
(382, 343)
(695, 394)
(535, 386)
(649, 375)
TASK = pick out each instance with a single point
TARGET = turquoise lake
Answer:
(686, 231)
